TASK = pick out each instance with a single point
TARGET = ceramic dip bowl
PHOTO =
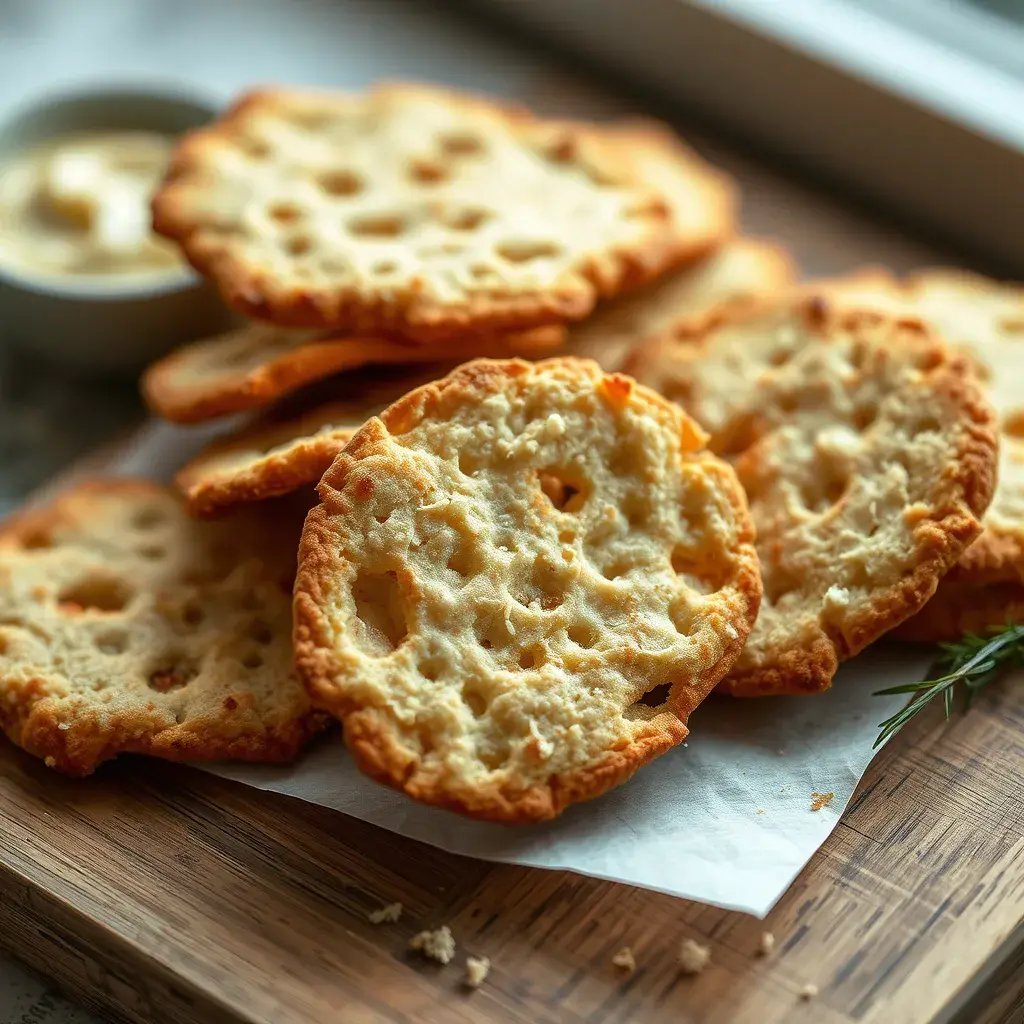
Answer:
(102, 322)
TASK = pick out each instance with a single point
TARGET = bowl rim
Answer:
(104, 288)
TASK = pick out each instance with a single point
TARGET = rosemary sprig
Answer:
(974, 661)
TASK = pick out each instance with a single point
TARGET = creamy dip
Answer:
(79, 205)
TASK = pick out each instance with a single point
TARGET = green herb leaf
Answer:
(973, 661)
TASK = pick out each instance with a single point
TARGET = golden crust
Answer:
(266, 459)
(280, 453)
(742, 270)
(128, 627)
(426, 213)
(250, 367)
(983, 319)
(867, 452)
(502, 565)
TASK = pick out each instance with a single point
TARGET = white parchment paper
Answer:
(724, 819)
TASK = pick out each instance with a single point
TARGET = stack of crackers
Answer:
(581, 454)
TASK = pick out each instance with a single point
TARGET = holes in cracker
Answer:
(111, 642)
(525, 251)
(340, 182)
(619, 567)
(1013, 424)
(380, 609)
(698, 573)
(152, 552)
(105, 594)
(531, 657)
(259, 631)
(636, 509)
(431, 669)
(36, 540)
(464, 560)
(474, 699)
(468, 219)
(148, 517)
(480, 271)
(192, 614)
(254, 148)
(173, 674)
(461, 143)
(299, 245)
(377, 225)
(864, 416)
(469, 464)
(493, 758)
(778, 585)
(567, 494)
(427, 172)
(826, 490)
(583, 635)
(384, 267)
(253, 660)
(284, 212)
(657, 696)
(562, 149)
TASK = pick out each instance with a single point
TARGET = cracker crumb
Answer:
(477, 969)
(819, 800)
(624, 958)
(693, 957)
(386, 914)
(439, 944)
(809, 991)
(760, 810)
(767, 944)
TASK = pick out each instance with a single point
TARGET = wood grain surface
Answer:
(161, 895)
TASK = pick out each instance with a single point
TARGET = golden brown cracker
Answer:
(126, 626)
(519, 583)
(422, 212)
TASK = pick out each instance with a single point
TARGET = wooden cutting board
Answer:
(158, 894)
(162, 895)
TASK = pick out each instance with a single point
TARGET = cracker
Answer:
(278, 454)
(984, 319)
(502, 566)
(739, 271)
(867, 452)
(250, 367)
(126, 626)
(425, 213)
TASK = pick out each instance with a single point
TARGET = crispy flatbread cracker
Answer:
(423, 212)
(867, 451)
(519, 583)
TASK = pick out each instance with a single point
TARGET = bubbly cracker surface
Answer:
(125, 626)
(502, 566)
(427, 212)
(867, 452)
(984, 319)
